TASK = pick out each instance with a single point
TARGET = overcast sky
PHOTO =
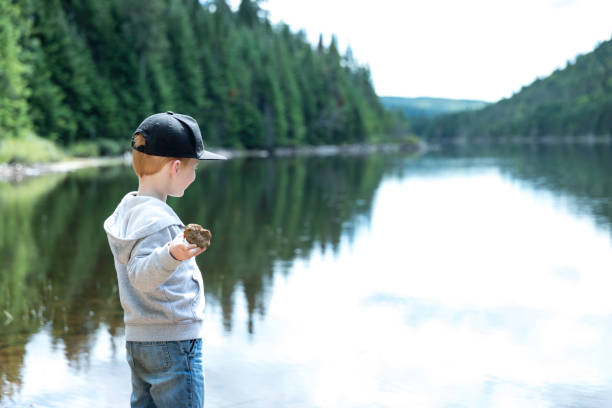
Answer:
(465, 49)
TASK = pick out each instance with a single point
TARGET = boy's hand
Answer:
(183, 250)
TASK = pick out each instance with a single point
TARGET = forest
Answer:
(83, 73)
(575, 101)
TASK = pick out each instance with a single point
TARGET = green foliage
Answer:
(29, 149)
(109, 147)
(13, 86)
(574, 101)
(84, 148)
(84, 70)
(97, 147)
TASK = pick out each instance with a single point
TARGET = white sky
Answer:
(465, 49)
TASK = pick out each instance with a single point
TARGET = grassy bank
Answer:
(32, 149)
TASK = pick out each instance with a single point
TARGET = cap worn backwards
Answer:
(172, 134)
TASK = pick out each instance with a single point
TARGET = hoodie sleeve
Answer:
(151, 263)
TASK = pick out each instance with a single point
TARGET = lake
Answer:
(468, 277)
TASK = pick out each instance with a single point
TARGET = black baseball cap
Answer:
(172, 134)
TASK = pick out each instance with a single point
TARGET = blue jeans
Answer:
(166, 374)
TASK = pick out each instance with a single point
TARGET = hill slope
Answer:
(429, 107)
(573, 101)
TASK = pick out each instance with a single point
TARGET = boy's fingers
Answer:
(199, 250)
(186, 245)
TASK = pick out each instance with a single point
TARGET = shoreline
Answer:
(17, 172)
(324, 150)
(531, 140)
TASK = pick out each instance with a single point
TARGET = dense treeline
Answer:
(90, 70)
(574, 101)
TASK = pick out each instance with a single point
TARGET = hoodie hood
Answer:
(135, 218)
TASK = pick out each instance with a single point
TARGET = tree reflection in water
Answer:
(57, 272)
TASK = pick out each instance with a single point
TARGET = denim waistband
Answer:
(163, 332)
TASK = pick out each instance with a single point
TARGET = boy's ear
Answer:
(175, 166)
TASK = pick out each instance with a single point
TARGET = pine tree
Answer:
(248, 12)
(14, 89)
(186, 70)
(53, 97)
(296, 131)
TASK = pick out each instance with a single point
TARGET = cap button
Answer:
(170, 113)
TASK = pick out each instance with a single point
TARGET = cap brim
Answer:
(205, 155)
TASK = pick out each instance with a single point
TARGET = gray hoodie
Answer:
(162, 298)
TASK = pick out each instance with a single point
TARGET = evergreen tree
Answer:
(14, 89)
(187, 72)
(54, 97)
(293, 115)
(248, 12)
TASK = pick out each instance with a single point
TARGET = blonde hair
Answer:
(146, 164)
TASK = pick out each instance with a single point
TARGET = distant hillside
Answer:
(574, 101)
(429, 107)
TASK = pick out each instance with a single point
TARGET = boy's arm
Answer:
(151, 263)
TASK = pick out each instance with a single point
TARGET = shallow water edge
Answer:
(16, 172)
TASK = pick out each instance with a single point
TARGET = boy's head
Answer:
(145, 164)
(162, 137)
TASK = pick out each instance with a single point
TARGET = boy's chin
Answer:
(180, 194)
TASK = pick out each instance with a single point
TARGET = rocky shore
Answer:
(16, 172)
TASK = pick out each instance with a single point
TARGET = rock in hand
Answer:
(195, 234)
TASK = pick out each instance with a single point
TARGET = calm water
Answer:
(477, 278)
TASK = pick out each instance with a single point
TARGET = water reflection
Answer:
(576, 174)
(56, 270)
(269, 213)
(338, 268)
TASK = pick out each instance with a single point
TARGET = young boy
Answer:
(160, 285)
